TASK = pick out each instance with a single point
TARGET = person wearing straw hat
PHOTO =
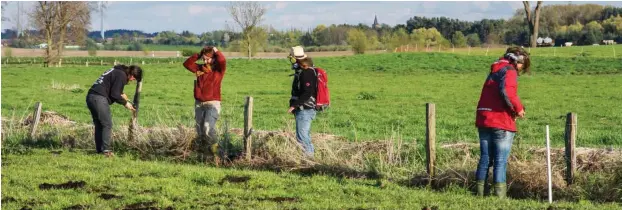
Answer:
(302, 102)
(497, 110)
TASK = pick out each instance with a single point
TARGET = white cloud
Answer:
(482, 5)
(280, 5)
(196, 9)
(515, 5)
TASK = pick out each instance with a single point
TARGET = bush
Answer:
(92, 51)
(365, 96)
(187, 52)
(358, 40)
(135, 46)
(112, 47)
(8, 52)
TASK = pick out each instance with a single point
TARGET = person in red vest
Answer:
(207, 92)
(497, 110)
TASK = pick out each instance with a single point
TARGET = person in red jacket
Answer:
(207, 92)
(497, 110)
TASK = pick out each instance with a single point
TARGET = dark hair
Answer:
(133, 70)
(136, 71)
(308, 61)
(207, 49)
(519, 55)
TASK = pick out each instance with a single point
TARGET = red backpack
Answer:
(323, 95)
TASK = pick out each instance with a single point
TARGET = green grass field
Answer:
(373, 98)
(124, 183)
(603, 51)
(372, 95)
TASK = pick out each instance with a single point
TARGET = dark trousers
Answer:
(102, 119)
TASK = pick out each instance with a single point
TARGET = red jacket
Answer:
(499, 103)
(207, 86)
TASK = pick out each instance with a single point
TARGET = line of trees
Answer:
(584, 24)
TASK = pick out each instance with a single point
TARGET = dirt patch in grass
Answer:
(235, 179)
(107, 196)
(7, 199)
(145, 206)
(76, 207)
(68, 185)
(280, 199)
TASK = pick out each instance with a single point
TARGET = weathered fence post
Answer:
(487, 48)
(430, 140)
(87, 64)
(60, 62)
(248, 127)
(115, 62)
(36, 116)
(101, 62)
(469, 50)
(143, 62)
(571, 137)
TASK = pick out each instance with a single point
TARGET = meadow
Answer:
(372, 95)
(377, 114)
(34, 180)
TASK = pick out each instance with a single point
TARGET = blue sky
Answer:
(204, 16)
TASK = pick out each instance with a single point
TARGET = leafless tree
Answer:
(59, 21)
(247, 15)
(533, 19)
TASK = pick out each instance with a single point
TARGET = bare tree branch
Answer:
(533, 20)
(59, 21)
(247, 15)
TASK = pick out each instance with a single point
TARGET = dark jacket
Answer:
(110, 85)
(304, 89)
(499, 103)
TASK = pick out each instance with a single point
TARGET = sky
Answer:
(199, 17)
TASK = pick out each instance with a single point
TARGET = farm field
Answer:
(377, 114)
(372, 95)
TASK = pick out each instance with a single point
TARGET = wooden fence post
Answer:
(248, 127)
(430, 140)
(571, 137)
(87, 64)
(36, 116)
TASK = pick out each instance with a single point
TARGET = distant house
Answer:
(42, 46)
(6, 42)
(609, 42)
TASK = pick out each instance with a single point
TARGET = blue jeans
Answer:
(303, 129)
(495, 148)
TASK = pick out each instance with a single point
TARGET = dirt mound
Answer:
(50, 118)
(68, 185)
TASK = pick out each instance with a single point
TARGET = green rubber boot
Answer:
(481, 186)
(501, 190)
